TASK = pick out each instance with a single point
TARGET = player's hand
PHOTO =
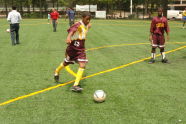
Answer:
(150, 38)
(89, 25)
(56, 21)
(167, 39)
(68, 41)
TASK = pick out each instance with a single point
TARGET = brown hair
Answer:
(85, 14)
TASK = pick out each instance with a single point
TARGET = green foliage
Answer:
(31, 15)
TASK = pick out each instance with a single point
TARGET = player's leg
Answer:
(54, 25)
(153, 50)
(184, 23)
(12, 34)
(69, 70)
(153, 55)
(17, 33)
(57, 71)
(81, 69)
(63, 65)
(162, 49)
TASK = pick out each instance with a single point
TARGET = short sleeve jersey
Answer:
(79, 35)
(159, 25)
(71, 14)
(54, 15)
(184, 13)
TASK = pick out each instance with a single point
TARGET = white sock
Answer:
(153, 55)
(163, 55)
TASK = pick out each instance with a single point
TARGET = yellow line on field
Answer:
(116, 46)
(119, 45)
(59, 85)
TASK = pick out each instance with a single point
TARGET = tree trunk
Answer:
(57, 4)
(33, 6)
(53, 3)
(165, 7)
(40, 7)
(6, 8)
(21, 7)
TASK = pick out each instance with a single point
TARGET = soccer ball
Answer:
(8, 30)
(99, 96)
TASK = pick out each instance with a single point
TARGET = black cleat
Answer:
(76, 89)
(56, 78)
(151, 61)
(165, 60)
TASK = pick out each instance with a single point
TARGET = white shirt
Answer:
(14, 17)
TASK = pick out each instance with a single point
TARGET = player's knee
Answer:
(65, 63)
(153, 49)
(82, 65)
(162, 49)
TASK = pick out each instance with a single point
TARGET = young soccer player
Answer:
(49, 18)
(159, 25)
(184, 18)
(75, 51)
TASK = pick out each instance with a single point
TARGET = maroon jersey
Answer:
(79, 34)
(159, 25)
(76, 49)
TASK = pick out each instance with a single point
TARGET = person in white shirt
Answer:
(14, 18)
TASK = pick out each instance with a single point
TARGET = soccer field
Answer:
(118, 53)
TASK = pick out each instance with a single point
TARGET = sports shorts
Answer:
(74, 55)
(158, 41)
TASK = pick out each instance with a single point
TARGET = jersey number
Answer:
(76, 43)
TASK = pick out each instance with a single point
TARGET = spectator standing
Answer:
(71, 16)
(54, 18)
(14, 18)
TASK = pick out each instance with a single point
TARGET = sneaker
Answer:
(76, 88)
(164, 60)
(56, 78)
(151, 61)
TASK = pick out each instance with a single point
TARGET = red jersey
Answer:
(54, 15)
(159, 25)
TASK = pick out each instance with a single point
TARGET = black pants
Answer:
(71, 22)
(14, 33)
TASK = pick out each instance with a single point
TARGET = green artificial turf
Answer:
(137, 94)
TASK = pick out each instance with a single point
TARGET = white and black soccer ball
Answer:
(99, 96)
(8, 30)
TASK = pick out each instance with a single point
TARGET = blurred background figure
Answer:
(54, 15)
(14, 18)
(49, 21)
(71, 16)
(184, 18)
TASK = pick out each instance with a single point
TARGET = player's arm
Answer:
(89, 26)
(68, 40)
(57, 18)
(20, 18)
(71, 32)
(167, 30)
(9, 17)
(152, 27)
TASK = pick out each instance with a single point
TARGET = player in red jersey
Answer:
(75, 51)
(54, 19)
(159, 25)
